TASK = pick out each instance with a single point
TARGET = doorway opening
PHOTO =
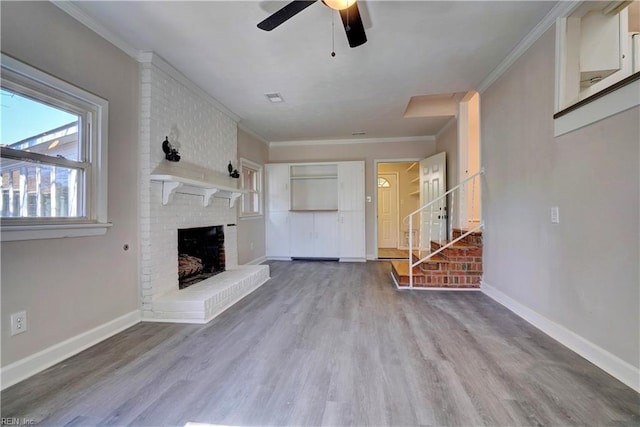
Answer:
(398, 194)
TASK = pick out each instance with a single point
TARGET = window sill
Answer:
(12, 233)
(620, 97)
(256, 216)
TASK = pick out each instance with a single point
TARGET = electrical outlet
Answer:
(18, 322)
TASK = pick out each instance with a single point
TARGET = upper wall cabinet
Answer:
(595, 49)
(597, 63)
(277, 175)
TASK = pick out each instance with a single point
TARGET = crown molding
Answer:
(446, 126)
(560, 10)
(79, 15)
(427, 138)
(253, 134)
(140, 56)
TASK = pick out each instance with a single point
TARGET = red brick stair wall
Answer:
(459, 266)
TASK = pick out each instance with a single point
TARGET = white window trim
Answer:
(95, 222)
(259, 170)
(601, 107)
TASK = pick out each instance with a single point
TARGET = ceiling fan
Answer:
(348, 12)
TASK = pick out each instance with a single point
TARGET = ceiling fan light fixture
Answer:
(339, 4)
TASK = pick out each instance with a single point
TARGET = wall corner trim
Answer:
(31, 365)
(561, 9)
(613, 365)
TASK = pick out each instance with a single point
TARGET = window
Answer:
(383, 183)
(251, 176)
(597, 54)
(52, 156)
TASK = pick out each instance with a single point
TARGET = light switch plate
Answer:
(555, 215)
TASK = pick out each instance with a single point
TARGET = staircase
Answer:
(444, 256)
(456, 266)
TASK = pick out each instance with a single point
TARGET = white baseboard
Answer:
(257, 261)
(31, 365)
(278, 258)
(371, 257)
(616, 367)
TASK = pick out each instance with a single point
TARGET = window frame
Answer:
(258, 170)
(43, 87)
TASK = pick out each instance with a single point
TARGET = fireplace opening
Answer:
(200, 254)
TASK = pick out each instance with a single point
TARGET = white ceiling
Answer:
(414, 48)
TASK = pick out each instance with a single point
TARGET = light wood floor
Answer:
(327, 343)
(390, 253)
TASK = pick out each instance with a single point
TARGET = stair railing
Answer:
(427, 212)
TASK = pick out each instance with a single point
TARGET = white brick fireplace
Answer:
(206, 139)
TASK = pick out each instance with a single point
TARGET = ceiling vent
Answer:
(274, 98)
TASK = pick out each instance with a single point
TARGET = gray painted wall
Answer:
(583, 272)
(368, 152)
(69, 286)
(447, 141)
(251, 230)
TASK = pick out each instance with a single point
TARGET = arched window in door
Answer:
(383, 183)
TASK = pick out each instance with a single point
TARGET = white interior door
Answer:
(387, 211)
(433, 175)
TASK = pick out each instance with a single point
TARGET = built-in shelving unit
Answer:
(315, 210)
(207, 188)
(314, 187)
(415, 182)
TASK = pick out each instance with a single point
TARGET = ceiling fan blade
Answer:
(287, 12)
(353, 25)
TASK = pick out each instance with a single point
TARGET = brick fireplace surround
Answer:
(207, 140)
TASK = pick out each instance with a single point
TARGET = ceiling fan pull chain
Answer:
(333, 34)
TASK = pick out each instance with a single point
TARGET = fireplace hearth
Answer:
(200, 254)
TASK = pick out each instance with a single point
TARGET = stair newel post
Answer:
(411, 250)
(452, 215)
(473, 197)
(428, 242)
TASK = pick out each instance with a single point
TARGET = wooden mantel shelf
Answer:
(206, 188)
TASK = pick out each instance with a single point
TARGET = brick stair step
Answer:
(402, 268)
(457, 245)
(421, 254)
(474, 238)
(435, 278)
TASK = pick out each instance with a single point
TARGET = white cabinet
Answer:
(314, 235)
(351, 206)
(351, 186)
(278, 235)
(351, 231)
(277, 175)
(277, 220)
(316, 210)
